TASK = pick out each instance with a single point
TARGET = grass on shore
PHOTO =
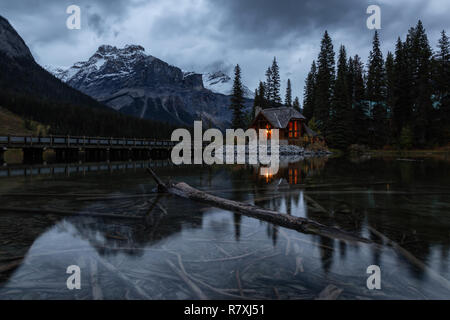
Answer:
(12, 124)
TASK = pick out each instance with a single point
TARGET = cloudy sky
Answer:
(203, 35)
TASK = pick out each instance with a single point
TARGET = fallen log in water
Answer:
(183, 190)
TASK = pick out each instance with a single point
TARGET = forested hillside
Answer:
(31, 92)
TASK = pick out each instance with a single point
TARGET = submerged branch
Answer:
(305, 225)
(183, 275)
(411, 258)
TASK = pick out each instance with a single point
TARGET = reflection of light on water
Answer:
(302, 205)
(267, 173)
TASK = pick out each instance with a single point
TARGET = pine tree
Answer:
(376, 94)
(442, 67)
(359, 104)
(237, 100)
(325, 84)
(262, 95)
(420, 60)
(309, 92)
(390, 93)
(402, 110)
(296, 104)
(442, 85)
(288, 97)
(276, 82)
(256, 103)
(340, 133)
(350, 77)
(269, 85)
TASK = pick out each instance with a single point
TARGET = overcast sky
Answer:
(202, 35)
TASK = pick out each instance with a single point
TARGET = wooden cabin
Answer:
(290, 123)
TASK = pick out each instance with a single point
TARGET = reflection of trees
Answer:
(418, 223)
(412, 222)
(107, 236)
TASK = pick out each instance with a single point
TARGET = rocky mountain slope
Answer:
(137, 84)
(32, 93)
(20, 73)
(12, 45)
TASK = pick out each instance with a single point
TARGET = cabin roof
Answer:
(279, 117)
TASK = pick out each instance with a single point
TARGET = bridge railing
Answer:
(59, 141)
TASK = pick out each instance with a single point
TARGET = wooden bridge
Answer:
(70, 148)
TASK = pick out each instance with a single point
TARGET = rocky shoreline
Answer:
(288, 150)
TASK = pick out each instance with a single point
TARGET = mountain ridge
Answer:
(135, 83)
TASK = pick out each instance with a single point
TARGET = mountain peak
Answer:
(107, 49)
(134, 48)
(11, 43)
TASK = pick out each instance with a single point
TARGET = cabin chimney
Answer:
(257, 110)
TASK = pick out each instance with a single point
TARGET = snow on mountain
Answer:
(132, 82)
(122, 59)
(220, 82)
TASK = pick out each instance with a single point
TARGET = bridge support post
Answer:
(96, 155)
(67, 155)
(90, 155)
(159, 154)
(114, 155)
(119, 154)
(33, 155)
(2, 155)
(140, 154)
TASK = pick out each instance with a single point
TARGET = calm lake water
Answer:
(172, 245)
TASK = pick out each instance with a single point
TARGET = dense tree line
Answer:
(400, 101)
(267, 95)
(32, 93)
(77, 120)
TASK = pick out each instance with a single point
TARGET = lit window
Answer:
(269, 132)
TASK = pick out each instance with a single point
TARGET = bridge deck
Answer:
(81, 142)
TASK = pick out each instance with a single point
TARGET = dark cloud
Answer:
(265, 23)
(96, 22)
(204, 35)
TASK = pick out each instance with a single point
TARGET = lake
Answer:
(172, 248)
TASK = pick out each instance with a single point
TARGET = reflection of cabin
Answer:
(290, 123)
(293, 173)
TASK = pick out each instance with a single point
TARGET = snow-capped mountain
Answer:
(222, 83)
(129, 80)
